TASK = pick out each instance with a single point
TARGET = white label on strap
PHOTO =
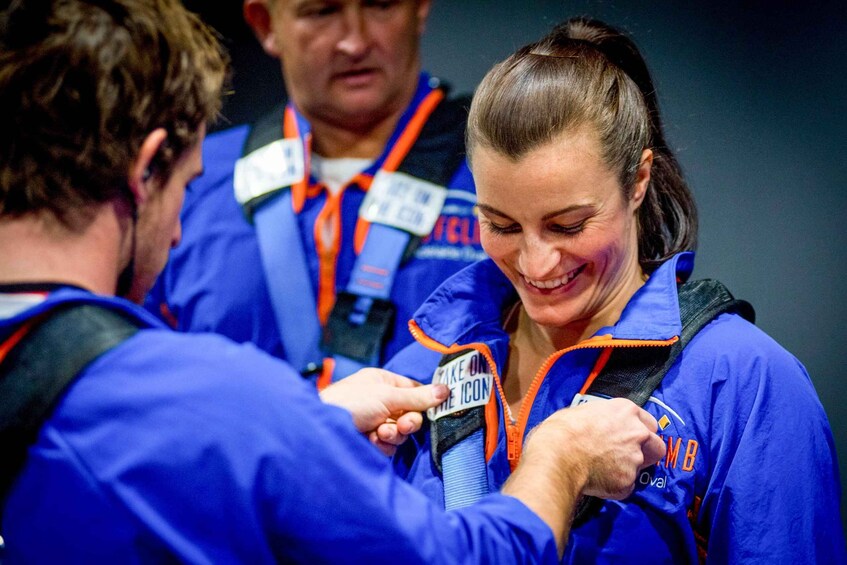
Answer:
(403, 202)
(276, 165)
(469, 380)
(584, 398)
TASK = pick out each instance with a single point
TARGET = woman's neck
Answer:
(531, 344)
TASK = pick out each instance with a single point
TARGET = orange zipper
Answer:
(516, 429)
(329, 218)
(482, 348)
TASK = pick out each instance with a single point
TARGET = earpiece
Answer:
(145, 176)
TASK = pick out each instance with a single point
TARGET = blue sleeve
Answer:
(774, 493)
(215, 452)
(350, 506)
(345, 500)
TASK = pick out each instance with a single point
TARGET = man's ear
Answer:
(258, 16)
(140, 171)
(423, 14)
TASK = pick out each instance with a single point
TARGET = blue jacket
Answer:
(750, 468)
(214, 280)
(193, 449)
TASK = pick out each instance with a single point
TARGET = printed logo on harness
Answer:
(470, 383)
(403, 202)
(276, 165)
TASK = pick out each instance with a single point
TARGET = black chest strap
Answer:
(635, 372)
(37, 371)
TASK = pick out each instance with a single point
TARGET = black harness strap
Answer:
(265, 130)
(439, 150)
(635, 372)
(38, 370)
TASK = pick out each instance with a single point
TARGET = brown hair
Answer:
(585, 72)
(82, 83)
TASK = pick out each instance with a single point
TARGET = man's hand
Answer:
(595, 449)
(610, 441)
(385, 406)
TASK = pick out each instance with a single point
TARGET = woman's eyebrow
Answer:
(567, 209)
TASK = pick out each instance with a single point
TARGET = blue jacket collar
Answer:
(469, 306)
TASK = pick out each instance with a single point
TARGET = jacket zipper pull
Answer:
(512, 443)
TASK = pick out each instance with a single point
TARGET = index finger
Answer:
(398, 380)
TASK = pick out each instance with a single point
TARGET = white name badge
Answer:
(403, 202)
(469, 380)
(583, 398)
(269, 168)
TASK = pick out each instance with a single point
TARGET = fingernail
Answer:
(440, 391)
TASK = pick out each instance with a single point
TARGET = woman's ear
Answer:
(642, 179)
(141, 169)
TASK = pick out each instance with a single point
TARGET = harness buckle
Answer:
(357, 327)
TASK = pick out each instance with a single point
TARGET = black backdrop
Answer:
(753, 98)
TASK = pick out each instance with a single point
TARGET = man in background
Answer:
(316, 232)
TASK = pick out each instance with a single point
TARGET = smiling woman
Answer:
(590, 229)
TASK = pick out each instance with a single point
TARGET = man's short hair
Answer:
(82, 83)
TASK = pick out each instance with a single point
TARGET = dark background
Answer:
(753, 97)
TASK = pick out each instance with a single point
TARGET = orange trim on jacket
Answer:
(516, 429)
(328, 252)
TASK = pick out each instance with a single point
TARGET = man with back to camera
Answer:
(191, 448)
(316, 232)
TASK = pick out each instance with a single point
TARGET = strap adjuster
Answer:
(357, 327)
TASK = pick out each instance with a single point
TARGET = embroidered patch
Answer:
(469, 380)
(276, 165)
(403, 202)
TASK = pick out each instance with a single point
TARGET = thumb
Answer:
(416, 399)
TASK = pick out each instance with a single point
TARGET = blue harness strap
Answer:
(464, 463)
(363, 314)
(284, 263)
(457, 437)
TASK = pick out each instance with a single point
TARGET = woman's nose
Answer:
(538, 258)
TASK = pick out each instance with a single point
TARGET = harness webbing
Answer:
(632, 373)
(359, 324)
(37, 371)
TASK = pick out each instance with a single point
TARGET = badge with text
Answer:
(403, 202)
(469, 380)
(269, 168)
